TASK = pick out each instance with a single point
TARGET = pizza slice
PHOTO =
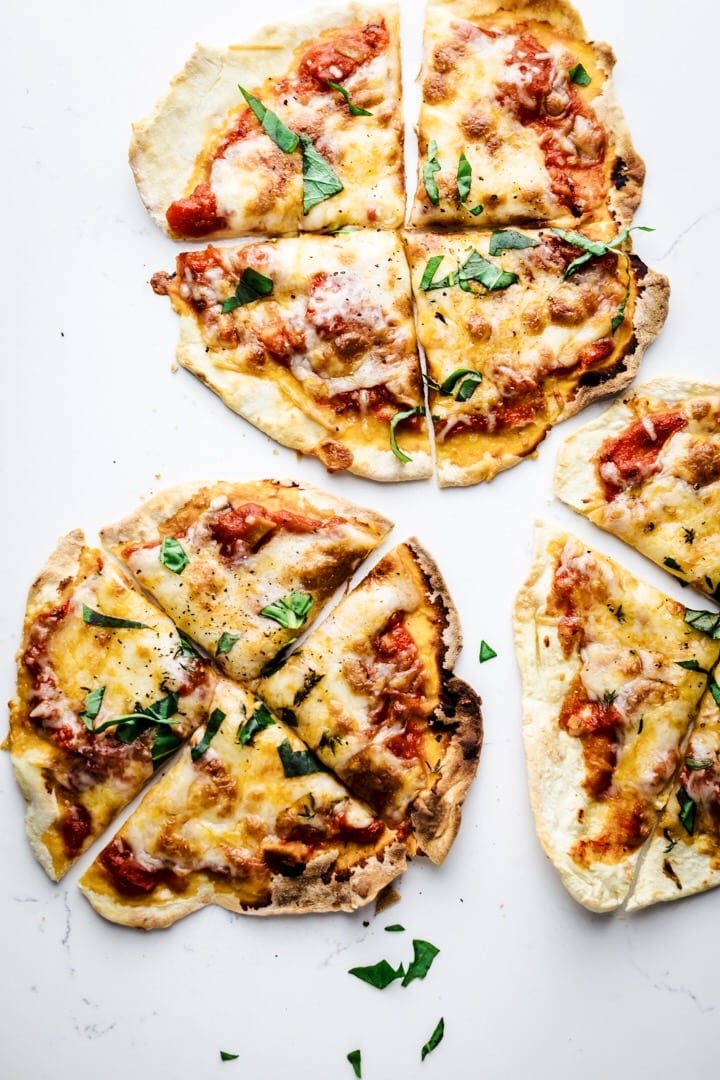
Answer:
(243, 568)
(521, 330)
(312, 340)
(298, 128)
(519, 121)
(106, 690)
(683, 856)
(372, 693)
(648, 471)
(248, 819)
(613, 672)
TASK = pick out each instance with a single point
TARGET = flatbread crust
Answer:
(257, 187)
(248, 546)
(606, 710)
(540, 348)
(242, 827)
(75, 677)
(371, 691)
(328, 363)
(648, 471)
(541, 145)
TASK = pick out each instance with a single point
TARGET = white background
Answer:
(94, 419)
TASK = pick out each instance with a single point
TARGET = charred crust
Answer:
(597, 378)
(618, 175)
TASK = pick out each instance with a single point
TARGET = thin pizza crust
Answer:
(669, 512)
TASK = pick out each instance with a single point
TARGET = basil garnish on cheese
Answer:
(479, 269)
(271, 124)
(398, 418)
(355, 110)
(464, 177)
(687, 811)
(431, 166)
(96, 618)
(211, 729)
(260, 719)
(707, 622)
(226, 642)
(172, 555)
(579, 75)
(509, 240)
(290, 611)
(297, 762)
(93, 704)
(131, 725)
(252, 286)
(593, 249)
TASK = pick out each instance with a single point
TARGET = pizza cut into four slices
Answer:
(613, 674)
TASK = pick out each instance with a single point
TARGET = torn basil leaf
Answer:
(691, 665)
(509, 240)
(398, 418)
(272, 125)
(252, 286)
(297, 762)
(714, 689)
(290, 611)
(96, 618)
(695, 765)
(423, 955)
(707, 622)
(355, 1060)
(211, 729)
(378, 975)
(395, 928)
(464, 177)
(226, 642)
(578, 74)
(431, 166)
(463, 382)
(172, 555)
(311, 680)
(355, 110)
(132, 725)
(486, 652)
(687, 811)
(673, 564)
(260, 719)
(434, 1039)
(166, 743)
(593, 248)
(477, 268)
(619, 316)
(225, 1055)
(93, 703)
(319, 179)
(475, 210)
(427, 283)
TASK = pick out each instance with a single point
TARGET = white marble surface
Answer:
(93, 419)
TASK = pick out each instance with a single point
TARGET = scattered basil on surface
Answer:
(486, 652)
(398, 418)
(395, 928)
(252, 286)
(260, 719)
(578, 74)
(225, 1055)
(509, 240)
(172, 555)
(290, 611)
(297, 762)
(96, 618)
(272, 125)
(354, 1058)
(379, 975)
(211, 729)
(320, 181)
(424, 952)
(434, 1039)
(355, 110)
(226, 642)
(431, 166)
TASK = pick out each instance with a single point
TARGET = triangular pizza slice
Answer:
(298, 128)
(107, 689)
(372, 692)
(613, 672)
(247, 818)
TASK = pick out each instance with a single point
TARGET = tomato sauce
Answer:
(633, 456)
(197, 215)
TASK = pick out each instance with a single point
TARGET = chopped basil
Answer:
(423, 955)
(619, 317)
(690, 665)
(319, 179)
(166, 743)
(225, 1055)
(252, 286)
(260, 719)
(395, 928)
(354, 1059)
(290, 611)
(477, 268)
(486, 653)
(707, 622)
(427, 283)
(226, 642)
(355, 110)
(186, 646)
(272, 125)
(593, 248)
(278, 660)
(434, 1039)
(579, 75)
(93, 702)
(475, 210)
(130, 726)
(311, 679)
(297, 762)
(96, 618)
(464, 177)
(211, 729)
(673, 564)
(431, 166)
(378, 975)
(468, 381)
(695, 765)
(714, 689)
(172, 555)
(509, 240)
(398, 418)
(687, 811)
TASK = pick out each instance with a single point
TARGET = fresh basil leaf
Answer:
(475, 210)
(278, 660)
(172, 555)
(691, 665)
(707, 622)
(593, 248)
(319, 179)
(395, 928)
(673, 564)
(464, 177)
(695, 765)
(166, 743)
(355, 110)
(226, 642)
(378, 975)
(130, 726)
(619, 316)
(687, 811)
(427, 283)
(290, 611)
(93, 704)
(431, 166)
(96, 618)
(272, 125)
(186, 646)
(509, 240)
(714, 689)
(486, 653)
(398, 418)
(211, 729)
(434, 1039)
(260, 719)
(477, 268)
(311, 679)
(579, 75)
(297, 762)
(423, 955)
(225, 1055)
(252, 286)
(463, 382)
(354, 1059)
